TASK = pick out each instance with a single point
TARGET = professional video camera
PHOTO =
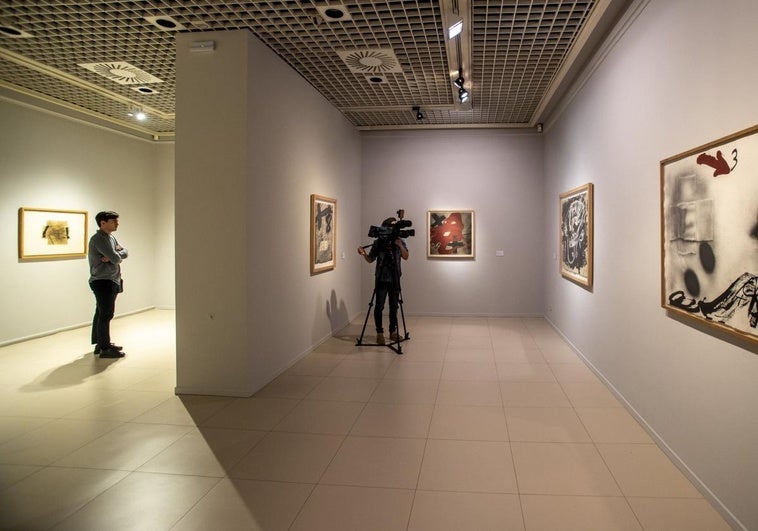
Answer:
(393, 231)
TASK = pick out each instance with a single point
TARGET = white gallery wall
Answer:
(250, 152)
(59, 163)
(496, 173)
(681, 75)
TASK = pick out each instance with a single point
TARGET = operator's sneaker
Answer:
(394, 336)
(380, 339)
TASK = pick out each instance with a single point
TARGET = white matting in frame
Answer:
(709, 234)
(45, 233)
(323, 233)
(450, 234)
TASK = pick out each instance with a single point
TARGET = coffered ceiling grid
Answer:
(517, 49)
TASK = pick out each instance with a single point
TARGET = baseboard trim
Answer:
(659, 441)
(67, 328)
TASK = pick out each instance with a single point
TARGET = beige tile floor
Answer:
(482, 424)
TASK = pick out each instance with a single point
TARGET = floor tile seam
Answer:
(513, 467)
(631, 497)
(353, 485)
(180, 474)
(265, 432)
(84, 504)
(469, 440)
(91, 441)
(85, 467)
(418, 475)
(295, 432)
(342, 442)
(510, 448)
(423, 454)
(616, 480)
(553, 495)
(469, 491)
(469, 406)
(19, 435)
(239, 477)
(192, 507)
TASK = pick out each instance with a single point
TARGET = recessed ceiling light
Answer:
(334, 13)
(376, 79)
(14, 33)
(165, 22)
(455, 29)
(145, 90)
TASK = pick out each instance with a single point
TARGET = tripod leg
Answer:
(365, 321)
(406, 335)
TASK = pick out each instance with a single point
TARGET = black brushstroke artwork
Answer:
(437, 220)
(742, 292)
(707, 257)
(56, 233)
(326, 215)
(574, 232)
(691, 282)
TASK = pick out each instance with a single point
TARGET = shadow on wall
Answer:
(336, 312)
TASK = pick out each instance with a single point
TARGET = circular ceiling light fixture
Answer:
(13, 32)
(165, 22)
(334, 13)
(145, 90)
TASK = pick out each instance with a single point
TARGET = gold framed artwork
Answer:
(323, 233)
(576, 238)
(709, 234)
(450, 234)
(47, 233)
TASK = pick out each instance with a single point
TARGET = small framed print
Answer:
(576, 234)
(450, 234)
(48, 233)
(323, 233)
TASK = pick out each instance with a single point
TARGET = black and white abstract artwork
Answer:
(323, 233)
(709, 234)
(575, 211)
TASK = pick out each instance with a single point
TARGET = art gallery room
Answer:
(577, 345)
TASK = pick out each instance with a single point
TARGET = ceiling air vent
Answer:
(122, 73)
(376, 61)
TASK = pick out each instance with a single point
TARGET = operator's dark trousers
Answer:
(105, 297)
(384, 289)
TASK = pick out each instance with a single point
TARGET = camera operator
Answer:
(387, 254)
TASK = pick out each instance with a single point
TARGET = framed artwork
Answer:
(575, 218)
(450, 233)
(46, 234)
(323, 233)
(709, 234)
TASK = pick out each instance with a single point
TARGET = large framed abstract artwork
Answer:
(450, 234)
(50, 234)
(709, 234)
(323, 233)
(576, 242)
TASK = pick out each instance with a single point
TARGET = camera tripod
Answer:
(394, 345)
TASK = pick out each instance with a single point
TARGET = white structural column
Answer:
(212, 176)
